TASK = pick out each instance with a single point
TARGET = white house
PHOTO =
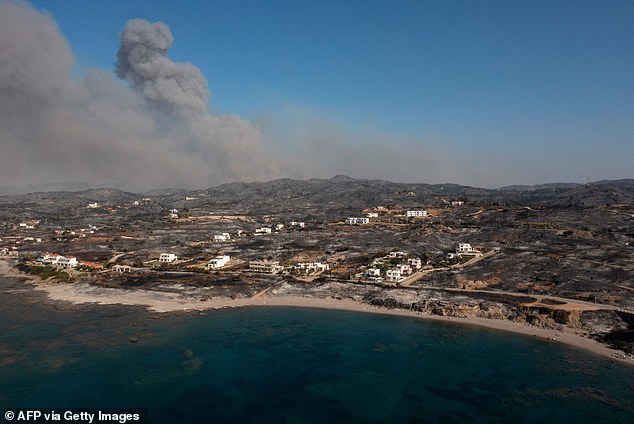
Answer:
(121, 269)
(465, 248)
(311, 267)
(263, 230)
(222, 237)
(218, 262)
(373, 272)
(58, 260)
(6, 252)
(372, 215)
(394, 275)
(457, 203)
(353, 220)
(404, 269)
(93, 205)
(415, 263)
(416, 214)
(299, 224)
(278, 227)
(168, 257)
(47, 258)
(265, 267)
(143, 201)
(65, 262)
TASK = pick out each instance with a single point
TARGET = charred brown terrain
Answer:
(554, 255)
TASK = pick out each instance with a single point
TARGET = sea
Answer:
(294, 365)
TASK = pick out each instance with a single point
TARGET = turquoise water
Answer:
(297, 366)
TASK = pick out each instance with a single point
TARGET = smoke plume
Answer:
(157, 132)
(94, 130)
(142, 60)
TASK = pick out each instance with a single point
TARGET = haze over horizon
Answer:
(144, 95)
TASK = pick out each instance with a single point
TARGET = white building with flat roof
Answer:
(59, 261)
(222, 237)
(311, 267)
(168, 258)
(265, 267)
(373, 272)
(394, 275)
(65, 262)
(355, 221)
(415, 263)
(218, 262)
(465, 248)
(416, 214)
(404, 269)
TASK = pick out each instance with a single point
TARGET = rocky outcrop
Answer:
(613, 328)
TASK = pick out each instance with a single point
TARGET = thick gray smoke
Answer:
(94, 130)
(142, 60)
(159, 134)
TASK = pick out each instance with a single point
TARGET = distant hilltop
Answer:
(343, 190)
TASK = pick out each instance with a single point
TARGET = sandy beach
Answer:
(162, 302)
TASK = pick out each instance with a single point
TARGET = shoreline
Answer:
(162, 302)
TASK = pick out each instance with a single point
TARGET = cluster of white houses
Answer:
(393, 267)
(310, 267)
(366, 220)
(258, 231)
(274, 267)
(66, 262)
(28, 225)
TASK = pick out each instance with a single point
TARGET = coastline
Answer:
(162, 302)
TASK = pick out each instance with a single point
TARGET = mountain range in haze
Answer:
(343, 190)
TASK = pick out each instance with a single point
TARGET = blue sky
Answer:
(538, 90)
